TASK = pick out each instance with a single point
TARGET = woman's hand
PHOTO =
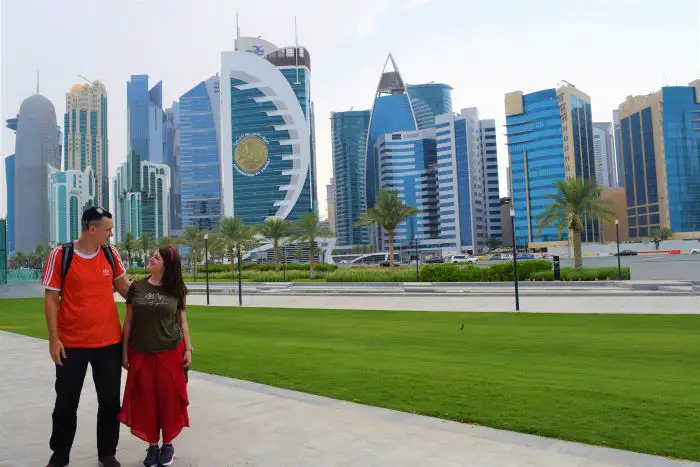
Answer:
(125, 361)
(187, 358)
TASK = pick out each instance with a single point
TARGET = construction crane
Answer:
(89, 81)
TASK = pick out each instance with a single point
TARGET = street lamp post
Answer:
(206, 263)
(240, 285)
(284, 262)
(417, 266)
(617, 240)
(515, 259)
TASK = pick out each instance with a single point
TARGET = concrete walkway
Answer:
(560, 304)
(237, 423)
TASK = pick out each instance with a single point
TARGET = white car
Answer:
(462, 259)
(695, 251)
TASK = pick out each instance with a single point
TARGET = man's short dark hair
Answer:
(93, 216)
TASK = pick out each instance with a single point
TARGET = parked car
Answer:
(494, 257)
(462, 259)
(435, 260)
(627, 253)
(526, 256)
(695, 251)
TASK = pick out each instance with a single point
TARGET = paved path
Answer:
(561, 304)
(637, 303)
(237, 423)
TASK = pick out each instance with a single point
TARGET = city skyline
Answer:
(347, 55)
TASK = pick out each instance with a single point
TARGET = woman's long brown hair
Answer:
(173, 283)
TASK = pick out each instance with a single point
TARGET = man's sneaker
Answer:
(151, 459)
(109, 461)
(166, 455)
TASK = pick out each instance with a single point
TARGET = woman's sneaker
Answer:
(166, 455)
(151, 459)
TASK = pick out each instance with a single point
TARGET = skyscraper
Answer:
(10, 191)
(429, 101)
(199, 158)
(461, 169)
(36, 149)
(660, 152)
(85, 135)
(619, 172)
(142, 198)
(267, 132)
(330, 200)
(145, 119)
(407, 162)
(550, 138)
(489, 157)
(349, 139)
(392, 112)
(604, 149)
(70, 193)
(170, 145)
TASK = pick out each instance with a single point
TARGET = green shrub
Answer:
(273, 276)
(322, 267)
(471, 273)
(586, 274)
(373, 275)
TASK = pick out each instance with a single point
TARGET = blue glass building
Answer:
(429, 101)
(550, 138)
(617, 133)
(407, 163)
(199, 157)
(660, 149)
(145, 119)
(10, 186)
(11, 123)
(392, 112)
(349, 135)
(267, 135)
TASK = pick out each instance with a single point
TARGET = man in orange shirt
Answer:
(84, 327)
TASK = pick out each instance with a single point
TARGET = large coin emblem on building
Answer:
(251, 155)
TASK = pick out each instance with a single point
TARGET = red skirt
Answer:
(155, 397)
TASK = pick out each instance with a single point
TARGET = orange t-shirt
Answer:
(87, 314)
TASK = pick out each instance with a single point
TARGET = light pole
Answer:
(515, 258)
(617, 240)
(417, 268)
(206, 263)
(284, 262)
(240, 285)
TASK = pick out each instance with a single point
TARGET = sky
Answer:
(608, 49)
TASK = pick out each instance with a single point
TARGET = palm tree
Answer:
(129, 245)
(308, 229)
(145, 245)
(217, 248)
(660, 235)
(388, 212)
(274, 230)
(575, 201)
(236, 238)
(192, 237)
(166, 241)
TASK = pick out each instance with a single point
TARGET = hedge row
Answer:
(502, 272)
(587, 274)
(533, 270)
(218, 268)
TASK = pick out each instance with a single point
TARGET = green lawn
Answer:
(630, 382)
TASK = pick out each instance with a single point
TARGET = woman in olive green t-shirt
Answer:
(156, 351)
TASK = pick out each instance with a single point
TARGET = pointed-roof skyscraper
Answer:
(392, 112)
